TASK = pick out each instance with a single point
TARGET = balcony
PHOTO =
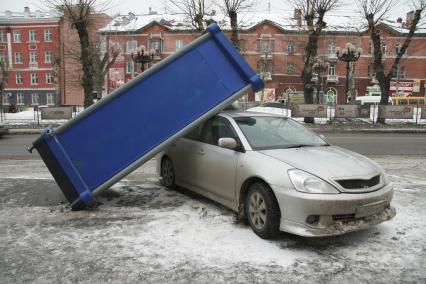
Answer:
(374, 80)
(266, 76)
(332, 57)
(33, 65)
(333, 79)
(267, 56)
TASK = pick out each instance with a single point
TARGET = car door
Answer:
(183, 153)
(215, 167)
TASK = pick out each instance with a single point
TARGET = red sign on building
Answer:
(404, 88)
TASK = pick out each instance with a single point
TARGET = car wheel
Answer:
(167, 173)
(263, 212)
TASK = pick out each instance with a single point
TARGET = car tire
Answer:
(262, 211)
(167, 173)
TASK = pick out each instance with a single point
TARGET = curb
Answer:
(368, 130)
(32, 131)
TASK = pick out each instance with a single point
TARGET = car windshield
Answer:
(269, 132)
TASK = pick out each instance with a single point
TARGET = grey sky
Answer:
(142, 7)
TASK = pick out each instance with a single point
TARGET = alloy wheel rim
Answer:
(168, 174)
(257, 210)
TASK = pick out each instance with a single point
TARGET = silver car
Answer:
(278, 175)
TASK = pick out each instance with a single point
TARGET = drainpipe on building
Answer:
(9, 47)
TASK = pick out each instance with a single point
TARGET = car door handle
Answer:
(201, 152)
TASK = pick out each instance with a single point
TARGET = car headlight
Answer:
(305, 182)
(385, 178)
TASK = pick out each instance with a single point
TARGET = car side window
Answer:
(195, 133)
(215, 128)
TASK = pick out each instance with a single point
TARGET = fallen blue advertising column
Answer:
(116, 135)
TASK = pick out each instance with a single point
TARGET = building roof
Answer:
(27, 16)
(337, 23)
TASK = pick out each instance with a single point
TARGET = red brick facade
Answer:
(285, 56)
(29, 46)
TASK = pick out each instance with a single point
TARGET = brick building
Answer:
(274, 46)
(29, 47)
(72, 92)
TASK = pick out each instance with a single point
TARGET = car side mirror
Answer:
(228, 143)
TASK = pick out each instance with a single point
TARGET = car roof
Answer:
(239, 113)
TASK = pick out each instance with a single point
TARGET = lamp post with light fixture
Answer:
(143, 57)
(348, 54)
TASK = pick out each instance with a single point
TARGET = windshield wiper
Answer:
(304, 145)
(299, 145)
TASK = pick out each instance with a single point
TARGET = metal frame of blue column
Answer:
(119, 133)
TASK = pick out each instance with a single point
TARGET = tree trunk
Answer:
(87, 64)
(310, 54)
(234, 29)
(199, 21)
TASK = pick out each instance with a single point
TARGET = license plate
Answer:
(369, 209)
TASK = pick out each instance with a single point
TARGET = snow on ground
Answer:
(144, 232)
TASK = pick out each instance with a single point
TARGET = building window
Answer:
(332, 48)
(33, 57)
(290, 47)
(2, 56)
(17, 36)
(49, 78)
(50, 99)
(32, 35)
(156, 44)
(34, 78)
(384, 49)
(131, 45)
(331, 70)
(48, 57)
(2, 36)
(130, 67)
(47, 35)
(290, 68)
(179, 44)
(19, 99)
(370, 48)
(34, 99)
(266, 45)
(402, 71)
(19, 79)
(18, 57)
(6, 99)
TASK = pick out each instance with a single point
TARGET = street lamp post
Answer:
(143, 57)
(349, 54)
(319, 68)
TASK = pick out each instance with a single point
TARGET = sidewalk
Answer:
(335, 127)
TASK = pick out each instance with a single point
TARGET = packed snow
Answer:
(144, 232)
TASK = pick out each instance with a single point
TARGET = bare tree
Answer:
(313, 12)
(374, 11)
(103, 59)
(4, 76)
(194, 11)
(79, 13)
(232, 8)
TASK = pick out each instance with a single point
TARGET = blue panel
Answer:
(113, 135)
(146, 115)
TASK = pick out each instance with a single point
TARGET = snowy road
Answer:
(143, 232)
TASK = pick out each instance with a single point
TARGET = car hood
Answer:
(327, 162)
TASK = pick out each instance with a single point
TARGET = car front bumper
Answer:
(316, 215)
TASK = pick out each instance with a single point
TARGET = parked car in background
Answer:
(3, 130)
(278, 175)
(370, 100)
(271, 107)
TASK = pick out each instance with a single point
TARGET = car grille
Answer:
(359, 183)
(344, 217)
